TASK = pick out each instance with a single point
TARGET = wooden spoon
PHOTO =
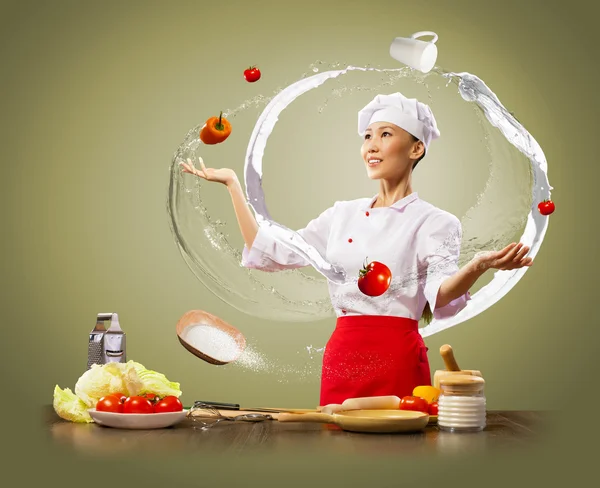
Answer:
(199, 317)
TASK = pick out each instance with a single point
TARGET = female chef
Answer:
(376, 348)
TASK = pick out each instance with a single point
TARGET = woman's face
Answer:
(389, 151)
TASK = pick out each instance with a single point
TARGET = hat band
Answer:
(401, 119)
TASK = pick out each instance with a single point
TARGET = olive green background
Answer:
(96, 97)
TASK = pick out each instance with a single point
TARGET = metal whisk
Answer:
(208, 416)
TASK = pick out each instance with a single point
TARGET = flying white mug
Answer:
(417, 54)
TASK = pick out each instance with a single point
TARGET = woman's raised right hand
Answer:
(221, 175)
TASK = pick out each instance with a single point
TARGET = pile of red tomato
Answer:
(418, 404)
(148, 403)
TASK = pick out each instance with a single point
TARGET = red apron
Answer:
(373, 355)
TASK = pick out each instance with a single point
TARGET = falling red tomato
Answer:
(252, 74)
(374, 279)
(546, 207)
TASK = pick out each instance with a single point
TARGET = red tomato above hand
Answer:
(374, 279)
(414, 403)
(137, 404)
(546, 207)
(168, 404)
(433, 408)
(252, 74)
(109, 403)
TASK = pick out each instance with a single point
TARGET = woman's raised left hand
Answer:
(512, 256)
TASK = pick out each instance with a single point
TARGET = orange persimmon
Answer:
(216, 130)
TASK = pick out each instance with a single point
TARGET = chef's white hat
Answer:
(414, 117)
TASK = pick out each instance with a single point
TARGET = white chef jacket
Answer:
(417, 241)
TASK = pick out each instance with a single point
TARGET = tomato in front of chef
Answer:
(433, 408)
(168, 404)
(137, 404)
(109, 403)
(374, 279)
(414, 403)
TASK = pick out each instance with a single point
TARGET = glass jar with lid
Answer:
(461, 405)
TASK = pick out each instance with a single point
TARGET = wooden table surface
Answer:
(505, 429)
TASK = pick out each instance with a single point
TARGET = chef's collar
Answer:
(403, 202)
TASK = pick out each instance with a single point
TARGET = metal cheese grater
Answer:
(106, 346)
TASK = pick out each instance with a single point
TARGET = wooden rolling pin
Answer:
(451, 366)
(390, 402)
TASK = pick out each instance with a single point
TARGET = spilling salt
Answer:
(212, 341)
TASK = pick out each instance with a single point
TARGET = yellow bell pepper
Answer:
(429, 393)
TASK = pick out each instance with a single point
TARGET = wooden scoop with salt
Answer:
(210, 338)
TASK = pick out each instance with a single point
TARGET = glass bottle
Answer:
(461, 405)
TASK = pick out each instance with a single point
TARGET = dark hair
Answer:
(415, 139)
(427, 316)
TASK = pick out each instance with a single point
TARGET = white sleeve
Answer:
(441, 249)
(268, 255)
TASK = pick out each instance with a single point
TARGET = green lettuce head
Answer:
(101, 380)
(153, 382)
(69, 406)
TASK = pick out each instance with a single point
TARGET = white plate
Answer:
(137, 420)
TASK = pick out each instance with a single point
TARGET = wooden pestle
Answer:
(448, 356)
(451, 366)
